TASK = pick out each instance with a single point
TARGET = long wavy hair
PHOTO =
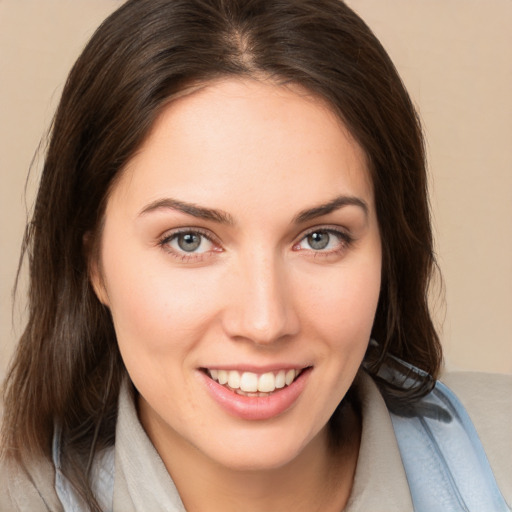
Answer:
(67, 369)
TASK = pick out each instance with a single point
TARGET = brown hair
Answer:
(67, 369)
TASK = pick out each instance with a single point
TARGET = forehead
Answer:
(247, 140)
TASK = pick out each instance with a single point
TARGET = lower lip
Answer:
(257, 407)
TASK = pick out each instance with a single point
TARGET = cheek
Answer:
(343, 305)
(155, 310)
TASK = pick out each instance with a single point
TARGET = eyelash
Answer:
(345, 241)
(184, 256)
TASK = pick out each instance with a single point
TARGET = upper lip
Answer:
(256, 369)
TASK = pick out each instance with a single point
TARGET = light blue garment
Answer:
(443, 457)
(444, 460)
(102, 478)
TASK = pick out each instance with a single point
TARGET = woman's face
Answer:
(241, 243)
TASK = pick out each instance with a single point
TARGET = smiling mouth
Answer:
(254, 384)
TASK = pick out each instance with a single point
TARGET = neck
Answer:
(318, 479)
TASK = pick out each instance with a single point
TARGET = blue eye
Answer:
(188, 242)
(318, 240)
(324, 240)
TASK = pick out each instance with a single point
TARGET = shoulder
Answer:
(488, 400)
(29, 489)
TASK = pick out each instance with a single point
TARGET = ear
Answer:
(98, 283)
(94, 271)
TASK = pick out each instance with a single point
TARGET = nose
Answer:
(261, 306)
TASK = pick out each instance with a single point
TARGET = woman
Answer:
(233, 204)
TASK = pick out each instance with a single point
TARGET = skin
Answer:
(255, 294)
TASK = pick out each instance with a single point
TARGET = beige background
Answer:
(455, 57)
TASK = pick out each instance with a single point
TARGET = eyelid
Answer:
(170, 233)
(337, 230)
(346, 238)
(167, 236)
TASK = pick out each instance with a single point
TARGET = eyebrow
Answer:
(190, 209)
(331, 206)
(222, 217)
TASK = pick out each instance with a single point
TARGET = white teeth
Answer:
(249, 382)
(280, 379)
(267, 382)
(234, 379)
(253, 384)
(290, 376)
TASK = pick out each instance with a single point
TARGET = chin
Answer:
(259, 453)
(257, 460)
